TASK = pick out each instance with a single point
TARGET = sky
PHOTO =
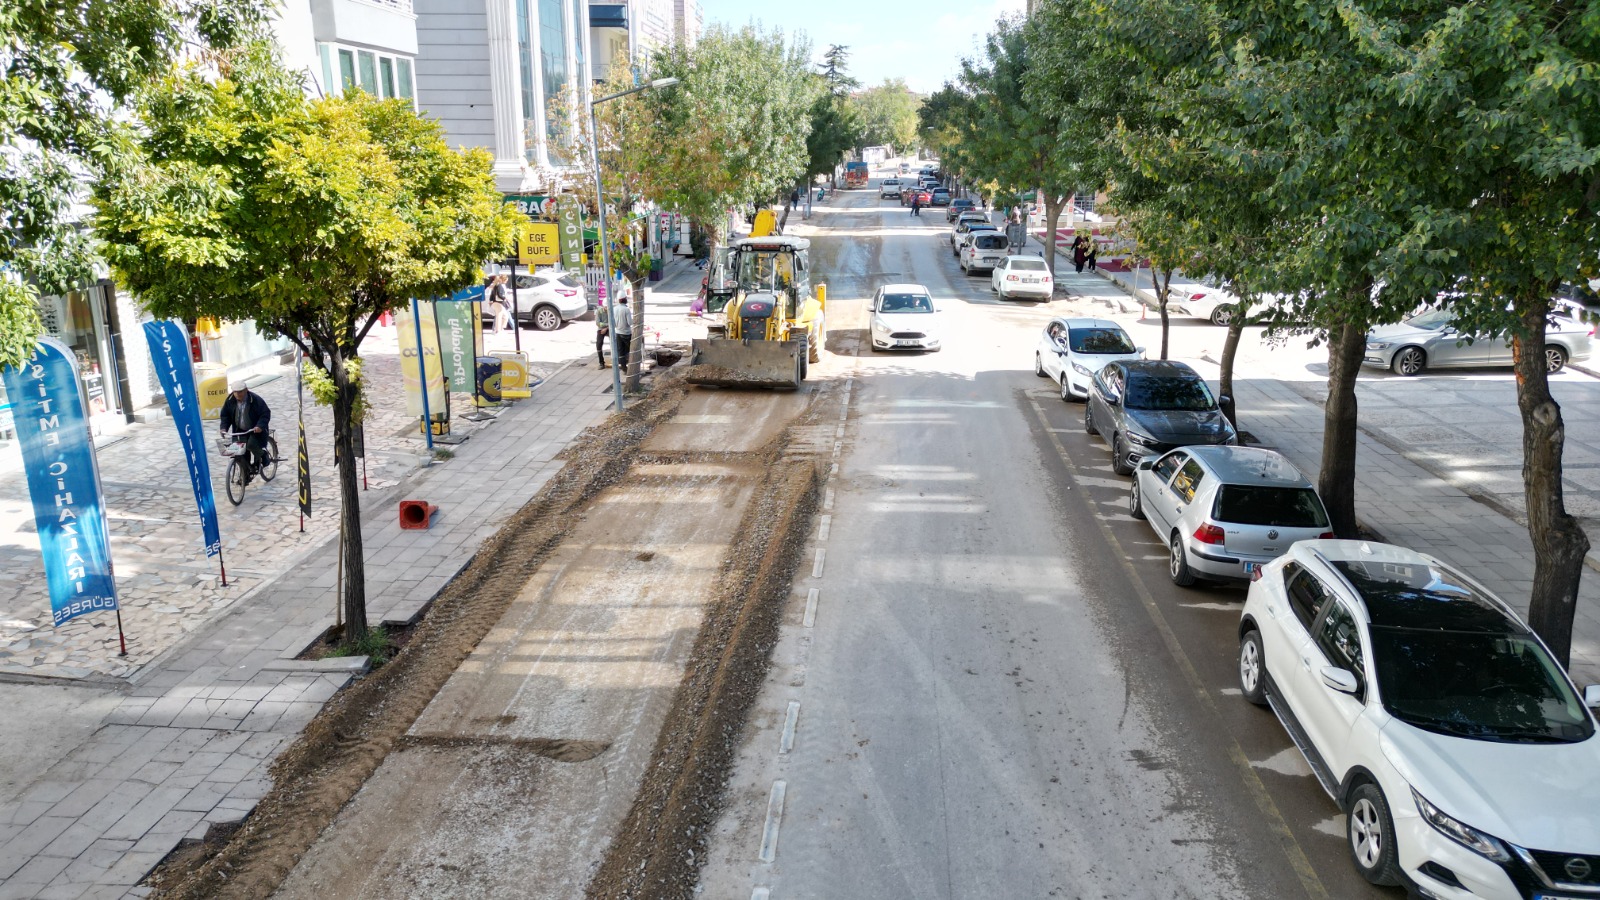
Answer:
(921, 41)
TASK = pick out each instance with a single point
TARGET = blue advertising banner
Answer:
(169, 356)
(58, 455)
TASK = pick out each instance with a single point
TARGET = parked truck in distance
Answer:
(855, 174)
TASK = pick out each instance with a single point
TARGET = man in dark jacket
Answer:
(246, 413)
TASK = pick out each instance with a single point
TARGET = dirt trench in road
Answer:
(586, 677)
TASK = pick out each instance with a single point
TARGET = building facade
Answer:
(506, 75)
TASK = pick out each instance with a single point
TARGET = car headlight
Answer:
(1142, 440)
(1081, 369)
(1377, 345)
(878, 325)
(1482, 844)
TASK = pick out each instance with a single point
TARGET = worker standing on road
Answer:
(916, 205)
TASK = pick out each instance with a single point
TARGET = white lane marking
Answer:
(761, 893)
(833, 470)
(1287, 761)
(816, 567)
(839, 432)
(702, 420)
(1231, 692)
(827, 498)
(1225, 607)
(826, 524)
(811, 608)
(786, 742)
(769, 833)
(837, 446)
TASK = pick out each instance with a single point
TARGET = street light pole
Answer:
(605, 252)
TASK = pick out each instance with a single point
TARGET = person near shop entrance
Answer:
(246, 413)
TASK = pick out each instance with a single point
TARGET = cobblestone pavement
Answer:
(1439, 457)
(211, 692)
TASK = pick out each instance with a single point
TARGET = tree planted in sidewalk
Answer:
(241, 199)
(66, 75)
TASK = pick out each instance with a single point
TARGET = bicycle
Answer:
(234, 448)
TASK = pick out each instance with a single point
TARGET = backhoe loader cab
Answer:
(774, 318)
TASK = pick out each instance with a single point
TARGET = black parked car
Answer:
(1145, 407)
(957, 207)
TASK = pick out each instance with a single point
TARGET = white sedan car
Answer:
(1215, 305)
(1071, 351)
(904, 316)
(1022, 276)
(1463, 757)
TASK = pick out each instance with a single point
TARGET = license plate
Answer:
(905, 343)
(1030, 281)
(1252, 569)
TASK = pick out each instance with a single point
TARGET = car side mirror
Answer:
(1139, 350)
(1342, 680)
(1591, 696)
(1146, 465)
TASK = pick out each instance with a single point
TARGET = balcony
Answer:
(385, 25)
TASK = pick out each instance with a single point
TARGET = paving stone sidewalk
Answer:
(1398, 496)
(191, 743)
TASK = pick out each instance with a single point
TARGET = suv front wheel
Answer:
(1370, 830)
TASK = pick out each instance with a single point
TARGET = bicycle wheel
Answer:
(235, 482)
(270, 470)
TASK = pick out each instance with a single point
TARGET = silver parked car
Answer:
(1224, 512)
(1430, 340)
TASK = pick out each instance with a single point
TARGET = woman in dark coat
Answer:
(1080, 252)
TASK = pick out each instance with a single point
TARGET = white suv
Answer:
(1461, 753)
(889, 188)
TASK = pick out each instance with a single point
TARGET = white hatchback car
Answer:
(1070, 351)
(982, 249)
(1022, 276)
(1463, 757)
(546, 299)
(904, 316)
(1212, 304)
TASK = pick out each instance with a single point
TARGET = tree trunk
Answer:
(1337, 480)
(1559, 543)
(1052, 213)
(636, 351)
(1230, 351)
(344, 448)
(1161, 281)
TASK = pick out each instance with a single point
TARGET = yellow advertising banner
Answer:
(406, 331)
(539, 244)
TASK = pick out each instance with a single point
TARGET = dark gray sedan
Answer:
(1146, 407)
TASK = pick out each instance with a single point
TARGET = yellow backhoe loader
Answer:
(775, 320)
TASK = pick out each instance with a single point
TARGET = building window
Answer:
(386, 76)
(347, 70)
(325, 53)
(404, 65)
(553, 66)
(579, 67)
(369, 72)
(530, 149)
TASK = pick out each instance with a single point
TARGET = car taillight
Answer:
(567, 293)
(1208, 534)
(1325, 536)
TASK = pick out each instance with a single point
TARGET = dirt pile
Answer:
(722, 376)
(340, 749)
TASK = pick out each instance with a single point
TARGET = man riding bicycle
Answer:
(244, 413)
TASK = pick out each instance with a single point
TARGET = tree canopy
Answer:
(886, 114)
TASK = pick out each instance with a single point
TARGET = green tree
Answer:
(834, 126)
(243, 200)
(66, 74)
(887, 115)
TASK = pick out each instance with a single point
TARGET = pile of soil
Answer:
(345, 743)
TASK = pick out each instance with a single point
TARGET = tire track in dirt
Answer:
(345, 743)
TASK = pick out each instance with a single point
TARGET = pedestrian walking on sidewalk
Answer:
(1080, 252)
(496, 303)
(1094, 250)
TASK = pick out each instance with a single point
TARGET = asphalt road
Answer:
(1000, 693)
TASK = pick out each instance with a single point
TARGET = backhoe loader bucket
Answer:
(725, 362)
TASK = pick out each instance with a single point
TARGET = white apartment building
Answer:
(506, 75)
(632, 29)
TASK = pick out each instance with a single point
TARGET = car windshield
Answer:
(1432, 320)
(1486, 686)
(1099, 340)
(906, 303)
(1028, 265)
(1449, 659)
(1279, 507)
(1167, 392)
